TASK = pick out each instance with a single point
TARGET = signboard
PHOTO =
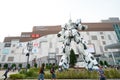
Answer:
(91, 48)
(35, 35)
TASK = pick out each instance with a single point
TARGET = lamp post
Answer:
(29, 48)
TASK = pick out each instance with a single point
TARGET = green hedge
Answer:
(17, 76)
(112, 73)
(68, 74)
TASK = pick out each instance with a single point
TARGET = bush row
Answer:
(68, 74)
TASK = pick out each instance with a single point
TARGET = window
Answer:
(94, 37)
(110, 56)
(25, 35)
(51, 55)
(103, 42)
(89, 41)
(10, 58)
(101, 49)
(101, 32)
(106, 49)
(13, 45)
(102, 37)
(3, 58)
(7, 45)
(12, 51)
(109, 37)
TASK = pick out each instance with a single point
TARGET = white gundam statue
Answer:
(69, 32)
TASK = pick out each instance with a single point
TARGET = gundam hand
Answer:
(58, 35)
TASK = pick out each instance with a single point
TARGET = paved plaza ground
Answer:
(11, 72)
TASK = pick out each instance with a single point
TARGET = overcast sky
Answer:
(18, 16)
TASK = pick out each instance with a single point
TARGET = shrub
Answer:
(17, 76)
(47, 76)
(112, 73)
(76, 74)
(23, 71)
(34, 69)
(32, 73)
(68, 74)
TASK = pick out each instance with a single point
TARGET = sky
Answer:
(18, 16)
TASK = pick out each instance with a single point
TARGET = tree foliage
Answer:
(5, 65)
(13, 65)
(28, 66)
(101, 63)
(35, 65)
(73, 58)
(20, 65)
(106, 63)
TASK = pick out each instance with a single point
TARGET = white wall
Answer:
(42, 47)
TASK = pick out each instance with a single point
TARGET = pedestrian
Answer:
(41, 73)
(101, 73)
(13, 68)
(5, 74)
(52, 71)
(19, 69)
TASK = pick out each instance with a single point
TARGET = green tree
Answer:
(5, 65)
(20, 65)
(73, 58)
(101, 63)
(13, 65)
(28, 66)
(47, 66)
(0, 66)
(106, 63)
(35, 65)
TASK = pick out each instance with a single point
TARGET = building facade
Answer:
(47, 47)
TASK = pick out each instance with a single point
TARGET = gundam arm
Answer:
(79, 26)
(62, 32)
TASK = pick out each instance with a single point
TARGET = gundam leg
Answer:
(90, 61)
(64, 61)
